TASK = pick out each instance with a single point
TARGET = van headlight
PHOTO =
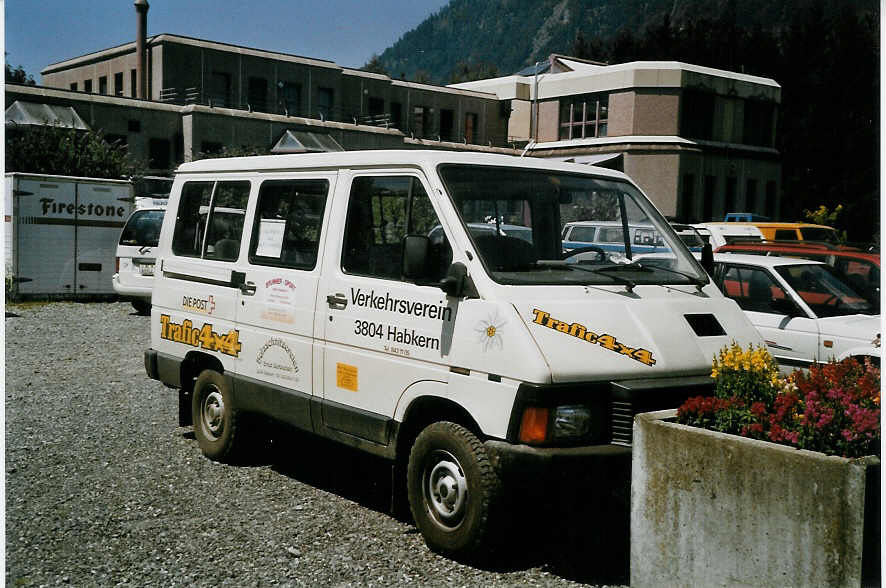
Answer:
(571, 422)
(561, 423)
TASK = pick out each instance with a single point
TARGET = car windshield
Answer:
(142, 229)
(826, 293)
(534, 215)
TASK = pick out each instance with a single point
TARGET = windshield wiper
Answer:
(560, 263)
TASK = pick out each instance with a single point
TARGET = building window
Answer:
(134, 126)
(471, 127)
(376, 110)
(750, 197)
(447, 124)
(211, 148)
(74, 86)
(688, 199)
(159, 151)
(133, 83)
(118, 84)
(758, 123)
(771, 200)
(103, 85)
(710, 192)
(220, 89)
(87, 85)
(729, 203)
(257, 94)
(697, 115)
(290, 98)
(419, 121)
(396, 115)
(325, 102)
(584, 116)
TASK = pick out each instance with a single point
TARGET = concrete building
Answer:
(172, 99)
(699, 141)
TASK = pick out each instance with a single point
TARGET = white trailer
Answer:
(61, 233)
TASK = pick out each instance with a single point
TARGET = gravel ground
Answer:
(103, 488)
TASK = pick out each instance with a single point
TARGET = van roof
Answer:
(382, 157)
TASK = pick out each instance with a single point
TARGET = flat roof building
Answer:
(700, 141)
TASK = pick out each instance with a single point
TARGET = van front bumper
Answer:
(516, 462)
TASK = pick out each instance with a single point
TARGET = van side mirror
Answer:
(707, 258)
(415, 256)
(458, 283)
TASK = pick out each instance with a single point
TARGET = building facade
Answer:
(203, 96)
(699, 141)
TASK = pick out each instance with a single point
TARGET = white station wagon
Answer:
(803, 309)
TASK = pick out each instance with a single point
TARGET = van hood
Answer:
(863, 327)
(645, 334)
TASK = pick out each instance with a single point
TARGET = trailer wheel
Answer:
(142, 307)
(452, 489)
(216, 418)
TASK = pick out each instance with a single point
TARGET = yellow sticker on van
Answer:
(203, 337)
(606, 341)
(346, 376)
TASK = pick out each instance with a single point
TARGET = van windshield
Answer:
(142, 229)
(548, 227)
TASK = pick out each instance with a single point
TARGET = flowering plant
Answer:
(833, 408)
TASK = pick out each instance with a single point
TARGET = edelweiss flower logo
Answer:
(489, 332)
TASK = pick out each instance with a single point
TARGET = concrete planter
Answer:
(710, 509)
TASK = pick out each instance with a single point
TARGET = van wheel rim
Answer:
(213, 413)
(445, 490)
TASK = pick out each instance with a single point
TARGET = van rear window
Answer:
(142, 229)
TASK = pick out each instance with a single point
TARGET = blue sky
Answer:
(348, 32)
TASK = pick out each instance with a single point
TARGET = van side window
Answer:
(209, 220)
(381, 212)
(785, 235)
(286, 232)
(187, 238)
(226, 221)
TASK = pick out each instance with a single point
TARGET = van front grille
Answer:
(622, 422)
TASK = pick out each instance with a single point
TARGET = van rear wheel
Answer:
(216, 418)
(452, 489)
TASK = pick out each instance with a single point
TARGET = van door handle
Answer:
(337, 301)
(248, 289)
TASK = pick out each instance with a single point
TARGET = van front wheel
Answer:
(216, 419)
(452, 489)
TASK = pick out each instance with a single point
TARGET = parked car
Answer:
(803, 309)
(718, 234)
(609, 236)
(134, 275)
(861, 268)
(794, 231)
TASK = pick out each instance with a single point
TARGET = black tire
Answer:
(142, 307)
(216, 418)
(453, 490)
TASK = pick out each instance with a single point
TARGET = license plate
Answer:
(146, 270)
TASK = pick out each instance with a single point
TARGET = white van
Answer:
(468, 358)
(718, 234)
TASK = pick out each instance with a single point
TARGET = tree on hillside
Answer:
(374, 65)
(468, 72)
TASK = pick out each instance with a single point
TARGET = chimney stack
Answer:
(141, 75)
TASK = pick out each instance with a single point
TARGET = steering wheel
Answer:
(601, 254)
